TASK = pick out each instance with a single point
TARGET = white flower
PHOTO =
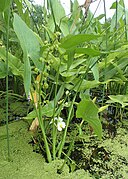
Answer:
(60, 124)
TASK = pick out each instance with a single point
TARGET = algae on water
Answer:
(24, 162)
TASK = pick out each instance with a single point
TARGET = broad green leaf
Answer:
(95, 71)
(4, 4)
(64, 27)
(121, 99)
(74, 40)
(88, 111)
(30, 47)
(116, 62)
(70, 73)
(14, 63)
(50, 25)
(76, 63)
(57, 18)
(88, 51)
(86, 84)
(60, 93)
(47, 111)
(70, 59)
(58, 11)
(27, 38)
(113, 68)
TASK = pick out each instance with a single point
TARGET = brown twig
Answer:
(86, 6)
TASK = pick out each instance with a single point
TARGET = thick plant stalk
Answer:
(105, 22)
(54, 131)
(41, 122)
(104, 86)
(67, 124)
(7, 94)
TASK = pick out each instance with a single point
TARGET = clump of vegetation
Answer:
(73, 69)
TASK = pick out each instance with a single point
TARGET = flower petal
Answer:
(60, 126)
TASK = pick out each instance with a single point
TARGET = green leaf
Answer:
(103, 108)
(126, 14)
(4, 4)
(14, 63)
(28, 40)
(95, 71)
(75, 64)
(60, 93)
(48, 109)
(121, 99)
(27, 74)
(75, 10)
(30, 47)
(58, 11)
(88, 111)
(100, 16)
(74, 40)
(116, 62)
(64, 27)
(120, 13)
(88, 51)
(86, 84)
(2, 69)
(70, 59)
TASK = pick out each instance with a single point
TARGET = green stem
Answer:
(7, 95)
(41, 121)
(52, 12)
(68, 154)
(71, 108)
(69, 118)
(115, 39)
(125, 21)
(104, 86)
(54, 131)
